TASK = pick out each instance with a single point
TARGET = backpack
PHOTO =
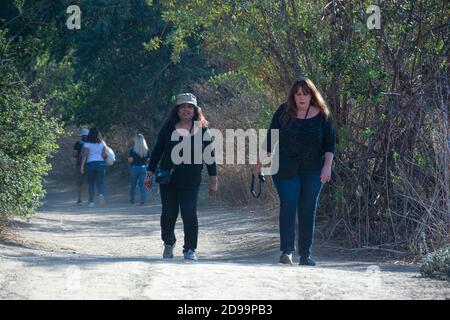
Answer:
(80, 151)
(110, 156)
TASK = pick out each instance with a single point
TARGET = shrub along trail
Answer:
(74, 252)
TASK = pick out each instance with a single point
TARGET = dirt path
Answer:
(74, 252)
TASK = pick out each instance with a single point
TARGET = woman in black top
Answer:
(137, 158)
(182, 192)
(306, 151)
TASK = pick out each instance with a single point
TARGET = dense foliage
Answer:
(104, 73)
(27, 139)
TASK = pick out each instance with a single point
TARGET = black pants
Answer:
(174, 200)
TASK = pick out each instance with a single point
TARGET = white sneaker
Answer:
(168, 251)
(286, 259)
(190, 255)
(101, 199)
(91, 205)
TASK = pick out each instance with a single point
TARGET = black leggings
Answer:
(172, 199)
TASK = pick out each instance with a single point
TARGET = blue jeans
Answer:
(95, 171)
(298, 196)
(137, 175)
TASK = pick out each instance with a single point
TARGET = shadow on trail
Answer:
(240, 236)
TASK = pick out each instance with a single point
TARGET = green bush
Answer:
(27, 140)
(437, 264)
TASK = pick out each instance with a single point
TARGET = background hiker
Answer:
(93, 163)
(137, 158)
(78, 155)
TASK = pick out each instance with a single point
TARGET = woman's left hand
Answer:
(213, 187)
(325, 175)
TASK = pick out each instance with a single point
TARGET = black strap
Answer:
(307, 111)
(190, 130)
(261, 179)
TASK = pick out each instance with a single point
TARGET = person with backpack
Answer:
(93, 163)
(306, 150)
(77, 154)
(137, 158)
(179, 183)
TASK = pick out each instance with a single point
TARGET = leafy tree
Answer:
(27, 140)
(106, 73)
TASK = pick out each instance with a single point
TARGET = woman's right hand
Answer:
(257, 169)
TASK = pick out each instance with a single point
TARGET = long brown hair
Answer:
(308, 87)
(94, 136)
(173, 117)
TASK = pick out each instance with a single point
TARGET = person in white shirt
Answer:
(93, 163)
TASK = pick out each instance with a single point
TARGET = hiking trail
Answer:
(69, 251)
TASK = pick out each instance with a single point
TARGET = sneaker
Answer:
(131, 201)
(307, 261)
(190, 255)
(91, 205)
(286, 258)
(101, 199)
(79, 202)
(168, 251)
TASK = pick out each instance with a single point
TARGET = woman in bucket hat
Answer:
(179, 191)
